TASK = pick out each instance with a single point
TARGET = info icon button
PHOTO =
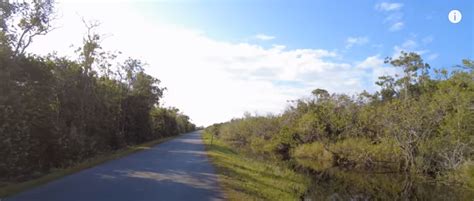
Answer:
(454, 16)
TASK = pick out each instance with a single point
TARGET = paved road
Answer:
(174, 170)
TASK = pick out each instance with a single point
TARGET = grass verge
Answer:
(11, 188)
(245, 178)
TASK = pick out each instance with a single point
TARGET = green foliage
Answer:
(362, 153)
(314, 156)
(21, 21)
(414, 124)
(247, 178)
(415, 71)
(56, 112)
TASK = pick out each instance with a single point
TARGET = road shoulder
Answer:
(9, 189)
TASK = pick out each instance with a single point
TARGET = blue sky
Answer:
(328, 24)
(219, 59)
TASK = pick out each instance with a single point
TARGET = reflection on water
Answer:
(335, 184)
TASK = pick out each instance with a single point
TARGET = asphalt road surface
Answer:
(174, 170)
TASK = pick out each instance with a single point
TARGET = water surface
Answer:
(336, 184)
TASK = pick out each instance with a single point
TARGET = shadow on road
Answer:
(174, 170)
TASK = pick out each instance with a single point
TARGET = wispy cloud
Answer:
(351, 41)
(394, 14)
(427, 39)
(413, 45)
(264, 37)
(393, 17)
(409, 44)
(397, 26)
(385, 6)
(433, 56)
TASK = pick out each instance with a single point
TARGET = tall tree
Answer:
(412, 64)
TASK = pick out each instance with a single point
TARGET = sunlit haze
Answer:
(219, 60)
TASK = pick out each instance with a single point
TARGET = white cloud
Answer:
(375, 67)
(394, 16)
(396, 26)
(371, 62)
(264, 37)
(409, 45)
(433, 56)
(208, 79)
(427, 40)
(385, 6)
(351, 41)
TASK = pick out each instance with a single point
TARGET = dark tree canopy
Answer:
(56, 112)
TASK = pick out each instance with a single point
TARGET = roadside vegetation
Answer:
(419, 123)
(57, 112)
(245, 178)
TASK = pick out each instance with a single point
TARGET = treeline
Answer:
(421, 122)
(56, 112)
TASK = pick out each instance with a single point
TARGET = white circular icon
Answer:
(454, 16)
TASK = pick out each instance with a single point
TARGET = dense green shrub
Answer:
(56, 112)
(414, 124)
(314, 156)
(365, 154)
